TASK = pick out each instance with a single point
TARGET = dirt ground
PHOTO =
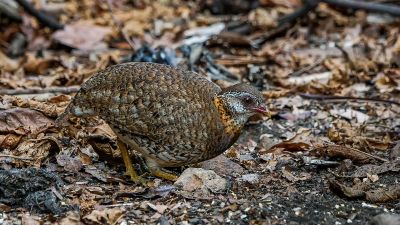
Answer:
(329, 153)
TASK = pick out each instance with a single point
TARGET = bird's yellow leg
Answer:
(157, 171)
(128, 163)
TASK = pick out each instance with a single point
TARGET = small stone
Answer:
(266, 141)
(385, 219)
(204, 182)
(251, 178)
(223, 166)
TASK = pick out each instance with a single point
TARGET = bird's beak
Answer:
(262, 110)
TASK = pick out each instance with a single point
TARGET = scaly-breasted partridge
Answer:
(171, 116)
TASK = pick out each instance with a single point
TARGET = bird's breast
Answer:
(231, 128)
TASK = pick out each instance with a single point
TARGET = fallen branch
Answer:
(308, 6)
(15, 157)
(285, 22)
(391, 9)
(119, 26)
(344, 98)
(61, 90)
(40, 16)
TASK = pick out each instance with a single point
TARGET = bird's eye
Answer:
(247, 100)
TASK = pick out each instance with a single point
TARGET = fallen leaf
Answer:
(292, 178)
(159, 208)
(23, 121)
(364, 170)
(8, 64)
(365, 191)
(9, 141)
(106, 216)
(344, 153)
(322, 78)
(83, 36)
(72, 218)
(350, 114)
(390, 193)
(30, 220)
(36, 149)
(70, 164)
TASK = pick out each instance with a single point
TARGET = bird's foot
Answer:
(165, 174)
(130, 171)
(139, 180)
(157, 171)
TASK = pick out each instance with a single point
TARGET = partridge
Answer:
(172, 117)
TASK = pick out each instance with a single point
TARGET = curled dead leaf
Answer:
(9, 141)
(83, 36)
(36, 149)
(356, 191)
(106, 216)
(390, 193)
(23, 122)
(70, 164)
(51, 108)
(364, 190)
(300, 142)
(343, 152)
(364, 170)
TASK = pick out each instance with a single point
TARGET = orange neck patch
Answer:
(231, 127)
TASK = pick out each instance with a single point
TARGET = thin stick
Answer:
(62, 90)
(370, 155)
(40, 16)
(119, 26)
(391, 9)
(307, 68)
(15, 157)
(344, 98)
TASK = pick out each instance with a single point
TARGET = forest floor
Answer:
(328, 154)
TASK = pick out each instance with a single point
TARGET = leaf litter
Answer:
(330, 159)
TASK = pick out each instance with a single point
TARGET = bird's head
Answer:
(242, 101)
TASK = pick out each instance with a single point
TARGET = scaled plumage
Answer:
(177, 117)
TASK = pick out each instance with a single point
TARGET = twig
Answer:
(284, 22)
(308, 6)
(119, 26)
(344, 98)
(62, 90)
(15, 157)
(370, 155)
(391, 9)
(40, 16)
(307, 68)
(118, 205)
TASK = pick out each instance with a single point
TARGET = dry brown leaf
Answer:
(356, 191)
(300, 142)
(395, 152)
(30, 220)
(292, 178)
(72, 218)
(37, 150)
(38, 65)
(106, 216)
(8, 64)
(343, 152)
(70, 164)
(263, 18)
(23, 122)
(364, 170)
(83, 36)
(48, 108)
(363, 190)
(9, 141)
(159, 208)
(390, 193)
